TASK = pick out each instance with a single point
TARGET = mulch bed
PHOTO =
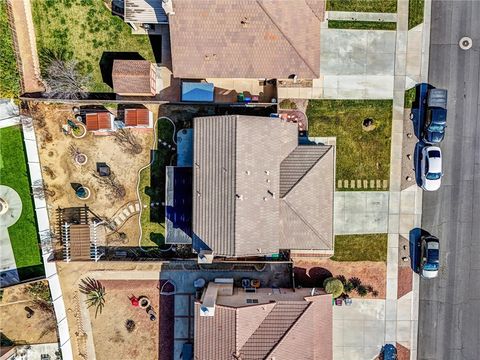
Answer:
(166, 323)
(405, 273)
(402, 352)
(312, 273)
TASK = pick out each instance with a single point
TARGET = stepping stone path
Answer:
(376, 184)
(125, 213)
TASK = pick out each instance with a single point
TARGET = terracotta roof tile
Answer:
(136, 117)
(247, 39)
(98, 121)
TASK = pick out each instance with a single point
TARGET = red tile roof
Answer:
(98, 121)
(246, 39)
(282, 330)
(136, 117)
(133, 77)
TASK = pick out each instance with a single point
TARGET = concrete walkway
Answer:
(360, 16)
(43, 224)
(25, 44)
(361, 212)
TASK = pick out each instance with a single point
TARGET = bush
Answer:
(288, 104)
(355, 281)
(362, 291)
(348, 287)
(333, 286)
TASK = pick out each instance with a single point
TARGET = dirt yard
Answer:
(60, 170)
(312, 272)
(113, 318)
(109, 332)
(14, 324)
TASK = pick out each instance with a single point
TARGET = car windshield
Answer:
(437, 128)
(433, 176)
(434, 154)
(430, 267)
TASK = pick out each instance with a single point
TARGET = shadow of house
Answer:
(107, 59)
(312, 277)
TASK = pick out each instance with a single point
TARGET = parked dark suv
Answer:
(435, 120)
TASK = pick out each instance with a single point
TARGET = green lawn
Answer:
(410, 97)
(152, 189)
(386, 6)
(23, 234)
(84, 30)
(363, 155)
(367, 247)
(415, 13)
(9, 78)
(361, 25)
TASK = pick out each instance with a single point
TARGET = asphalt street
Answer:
(449, 318)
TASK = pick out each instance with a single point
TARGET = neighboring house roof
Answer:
(132, 77)
(246, 39)
(280, 330)
(98, 121)
(145, 11)
(137, 117)
(250, 175)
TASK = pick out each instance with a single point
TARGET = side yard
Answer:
(10, 79)
(85, 30)
(14, 173)
(363, 131)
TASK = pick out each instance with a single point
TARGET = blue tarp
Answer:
(197, 92)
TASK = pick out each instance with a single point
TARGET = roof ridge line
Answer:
(288, 330)
(285, 36)
(306, 172)
(305, 222)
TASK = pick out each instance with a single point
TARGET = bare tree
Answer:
(111, 183)
(126, 139)
(40, 190)
(63, 79)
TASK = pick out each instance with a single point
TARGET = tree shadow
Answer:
(312, 277)
(107, 59)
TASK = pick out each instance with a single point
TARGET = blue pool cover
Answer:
(197, 92)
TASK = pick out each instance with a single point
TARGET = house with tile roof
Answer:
(248, 39)
(280, 324)
(256, 190)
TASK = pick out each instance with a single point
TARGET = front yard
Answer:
(362, 152)
(23, 234)
(365, 247)
(86, 30)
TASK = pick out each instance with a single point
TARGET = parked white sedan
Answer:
(431, 164)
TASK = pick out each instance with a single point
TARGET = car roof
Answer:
(434, 163)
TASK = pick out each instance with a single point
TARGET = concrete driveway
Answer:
(359, 329)
(361, 212)
(357, 64)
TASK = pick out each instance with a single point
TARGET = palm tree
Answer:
(95, 292)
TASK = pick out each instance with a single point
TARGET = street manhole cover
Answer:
(465, 43)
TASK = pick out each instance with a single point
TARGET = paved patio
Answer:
(361, 212)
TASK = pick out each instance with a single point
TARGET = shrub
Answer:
(342, 278)
(348, 287)
(333, 286)
(362, 290)
(288, 104)
(356, 282)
